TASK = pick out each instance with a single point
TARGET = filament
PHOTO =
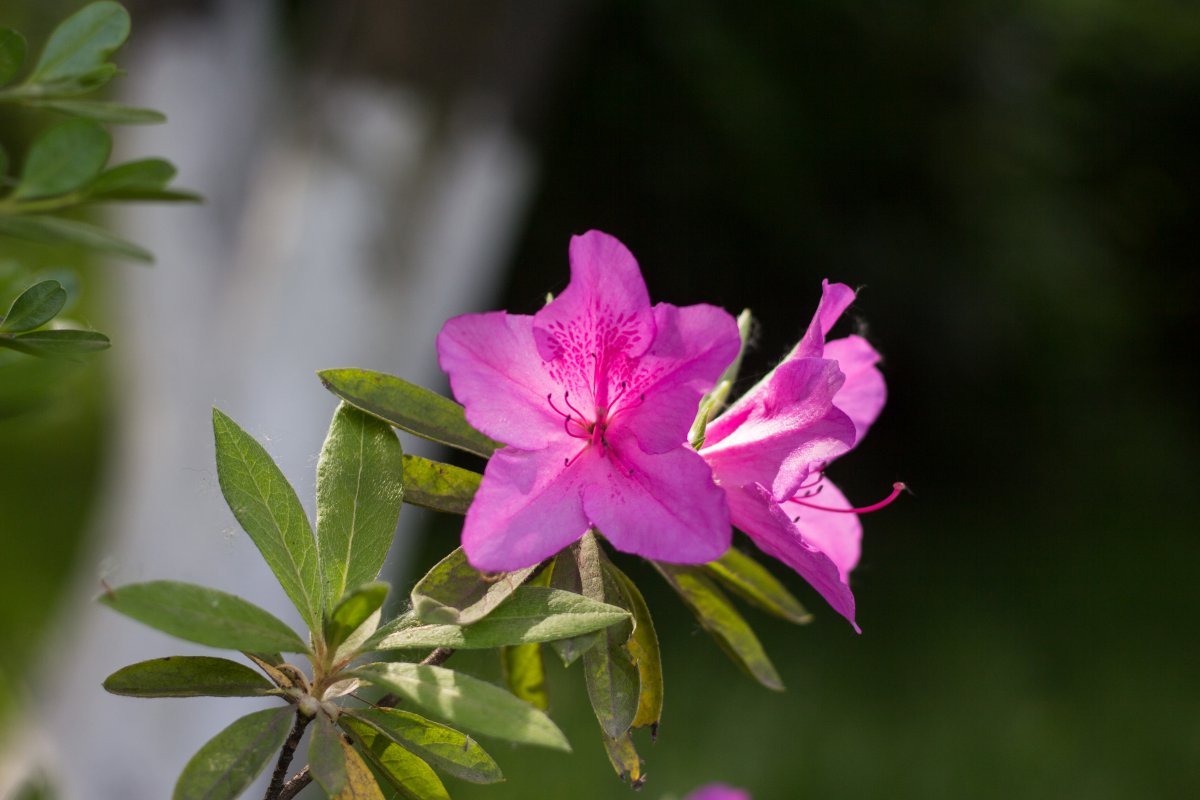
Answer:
(897, 488)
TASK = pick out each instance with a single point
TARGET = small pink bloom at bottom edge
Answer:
(718, 791)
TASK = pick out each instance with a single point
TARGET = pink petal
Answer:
(496, 373)
(838, 536)
(769, 527)
(692, 347)
(668, 508)
(718, 791)
(528, 507)
(863, 394)
(599, 323)
(835, 299)
(774, 434)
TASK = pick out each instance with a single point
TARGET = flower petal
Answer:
(496, 373)
(769, 527)
(528, 507)
(835, 299)
(668, 509)
(599, 323)
(838, 536)
(718, 791)
(775, 433)
(692, 346)
(863, 394)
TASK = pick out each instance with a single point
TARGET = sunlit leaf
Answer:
(56, 231)
(203, 615)
(408, 407)
(187, 676)
(36, 306)
(751, 581)
(441, 487)
(360, 783)
(613, 683)
(455, 593)
(230, 761)
(451, 751)
(404, 770)
(64, 159)
(467, 702)
(716, 614)
(12, 54)
(359, 492)
(82, 43)
(266, 505)
(643, 648)
(354, 610)
(564, 574)
(531, 614)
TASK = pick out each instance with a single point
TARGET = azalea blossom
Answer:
(593, 396)
(718, 791)
(770, 448)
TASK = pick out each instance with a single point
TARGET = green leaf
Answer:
(455, 593)
(12, 54)
(564, 574)
(408, 407)
(745, 323)
(56, 231)
(102, 111)
(625, 759)
(187, 676)
(230, 761)
(613, 683)
(36, 306)
(466, 701)
(147, 174)
(717, 615)
(531, 614)
(451, 751)
(360, 783)
(64, 159)
(442, 487)
(525, 673)
(751, 581)
(3, 167)
(203, 615)
(326, 757)
(405, 771)
(56, 342)
(643, 649)
(267, 507)
(355, 609)
(82, 43)
(359, 492)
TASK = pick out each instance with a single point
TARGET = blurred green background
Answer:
(1014, 185)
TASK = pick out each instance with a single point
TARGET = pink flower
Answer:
(594, 395)
(769, 451)
(718, 791)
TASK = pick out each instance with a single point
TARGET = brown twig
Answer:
(275, 790)
(287, 791)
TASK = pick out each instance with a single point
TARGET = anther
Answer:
(897, 488)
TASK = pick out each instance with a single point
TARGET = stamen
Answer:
(567, 400)
(641, 399)
(569, 461)
(897, 488)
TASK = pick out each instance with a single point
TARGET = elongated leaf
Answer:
(267, 507)
(52, 230)
(751, 581)
(442, 487)
(63, 159)
(467, 701)
(82, 42)
(404, 770)
(326, 758)
(12, 54)
(455, 593)
(612, 679)
(57, 342)
(355, 609)
(531, 614)
(36, 306)
(408, 407)
(360, 783)
(564, 574)
(359, 492)
(142, 175)
(3, 166)
(625, 759)
(268, 663)
(103, 111)
(203, 615)
(451, 751)
(643, 649)
(187, 676)
(525, 673)
(226, 766)
(717, 615)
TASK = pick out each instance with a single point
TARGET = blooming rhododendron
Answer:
(769, 451)
(593, 396)
(718, 791)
